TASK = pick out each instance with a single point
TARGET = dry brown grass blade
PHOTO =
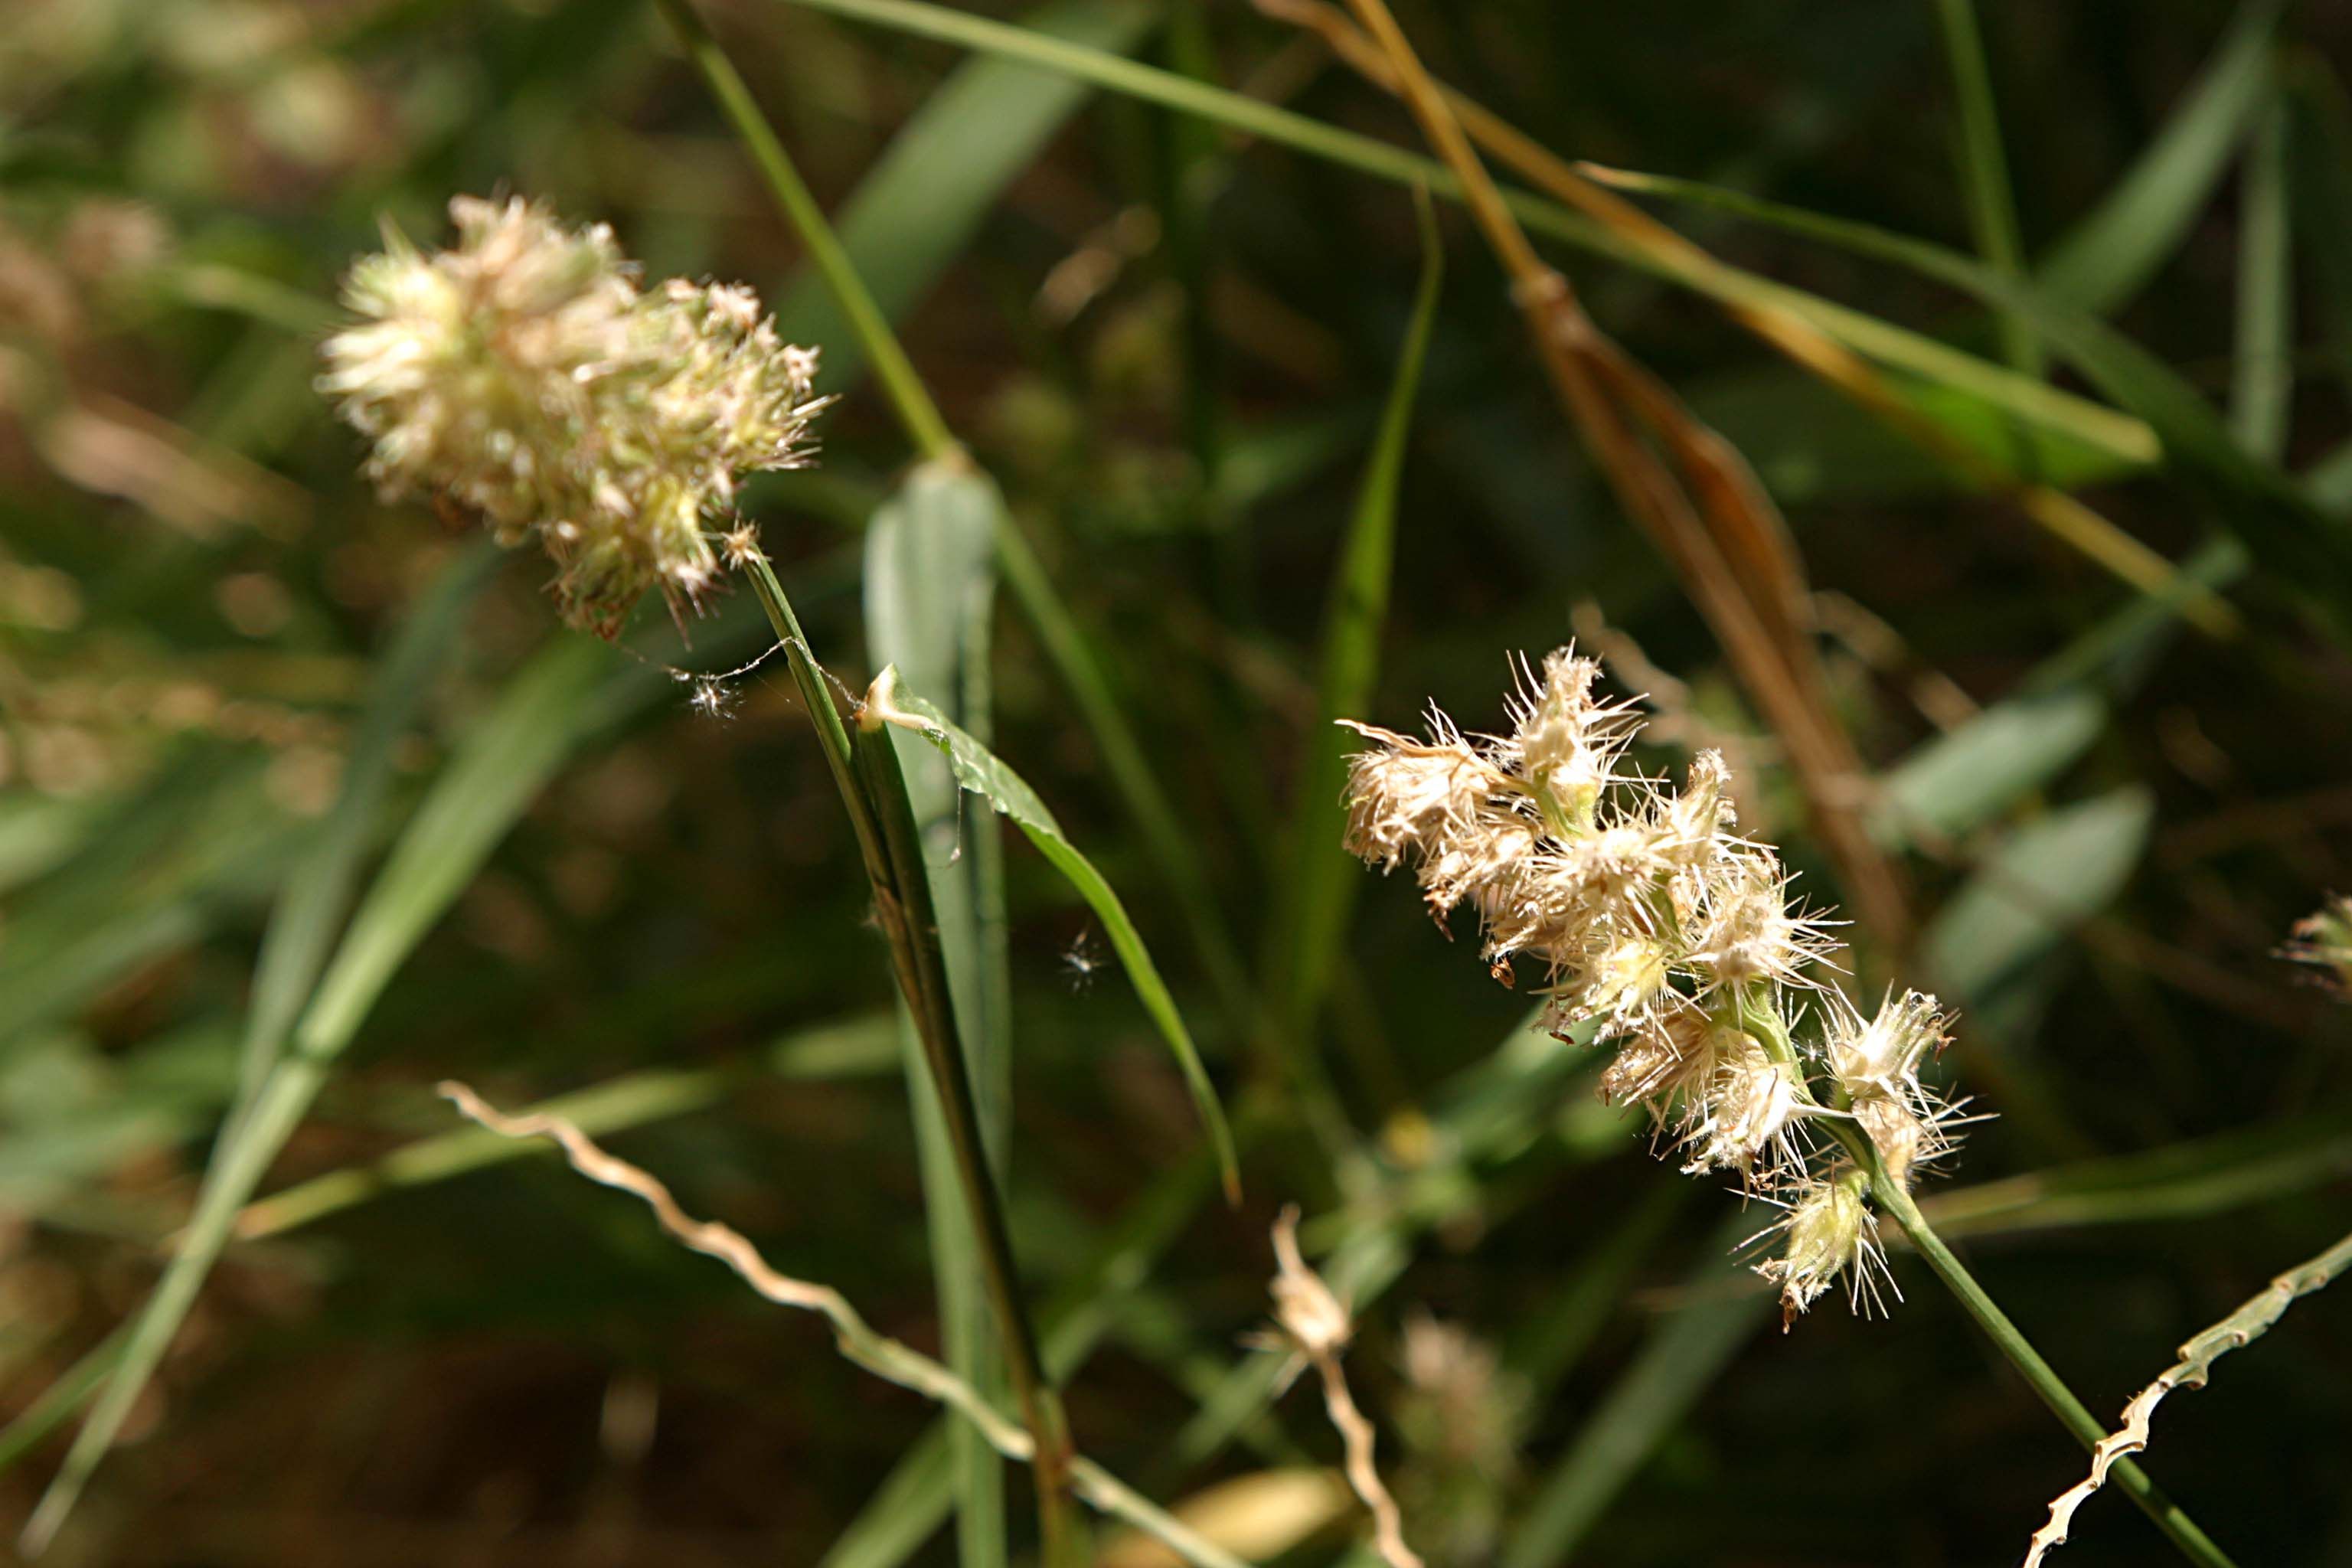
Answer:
(1724, 538)
(1582, 186)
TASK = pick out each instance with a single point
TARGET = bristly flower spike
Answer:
(1674, 939)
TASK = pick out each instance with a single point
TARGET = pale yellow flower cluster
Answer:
(524, 375)
(1651, 920)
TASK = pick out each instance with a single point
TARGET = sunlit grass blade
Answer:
(1315, 894)
(2104, 261)
(929, 593)
(2022, 395)
(494, 774)
(979, 771)
(2305, 553)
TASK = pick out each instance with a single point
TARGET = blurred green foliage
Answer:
(1171, 344)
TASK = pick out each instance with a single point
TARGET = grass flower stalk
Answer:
(1656, 927)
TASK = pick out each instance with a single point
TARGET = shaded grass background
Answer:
(1173, 352)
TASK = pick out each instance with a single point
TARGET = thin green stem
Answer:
(1984, 169)
(2177, 1526)
(2072, 1413)
(908, 394)
(874, 792)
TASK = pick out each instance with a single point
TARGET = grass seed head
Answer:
(523, 375)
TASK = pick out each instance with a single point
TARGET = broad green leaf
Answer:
(929, 591)
(2110, 254)
(979, 771)
(1961, 779)
(1314, 897)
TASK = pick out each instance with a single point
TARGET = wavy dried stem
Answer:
(1316, 1323)
(2240, 1328)
(855, 1338)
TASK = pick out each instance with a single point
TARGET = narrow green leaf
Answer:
(1984, 168)
(920, 206)
(2035, 886)
(2184, 1181)
(1962, 779)
(2022, 395)
(2109, 257)
(979, 770)
(929, 591)
(506, 755)
(310, 907)
(1678, 1362)
(1314, 898)
(2262, 373)
(2307, 553)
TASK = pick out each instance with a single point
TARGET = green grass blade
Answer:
(2109, 257)
(1984, 169)
(983, 772)
(310, 909)
(1963, 778)
(929, 590)
(854, 1046)
(2022, 397)
(507, 754)
(2309, 554)
(2201, 1177)
(913, 1499)
(56, 1404)
(2262, 375)
(920, 204)
(2320, 154)
(1081, 670)
(2038, 884)
(1678, 1362)
(1316, 894)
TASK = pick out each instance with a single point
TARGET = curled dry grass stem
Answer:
(2240, 1328)
(1582, 186)
(1315, 1322)
(1706, 512)
(856, 1339)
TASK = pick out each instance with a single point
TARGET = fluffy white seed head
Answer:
(1664, 934)
(524, 376)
